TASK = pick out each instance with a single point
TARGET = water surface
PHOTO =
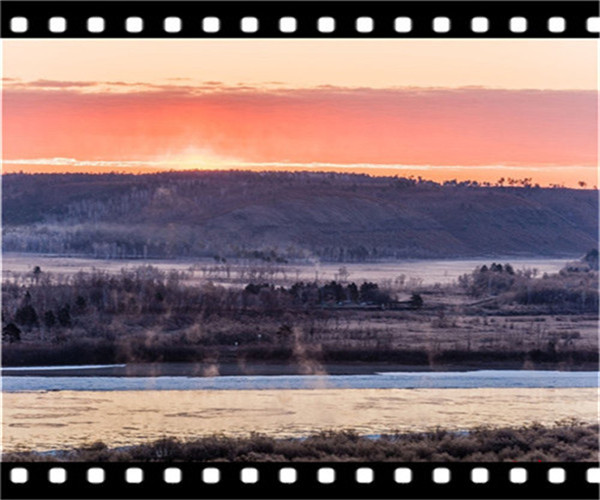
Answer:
(397, 380)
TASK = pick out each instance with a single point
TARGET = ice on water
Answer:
(395, 380)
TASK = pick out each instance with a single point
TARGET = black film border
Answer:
(380, 19)
(575, 483)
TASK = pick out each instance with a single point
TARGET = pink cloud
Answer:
(470, 126)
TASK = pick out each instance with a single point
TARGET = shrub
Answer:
(478, 445)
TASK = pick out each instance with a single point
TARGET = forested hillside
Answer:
(282, 216)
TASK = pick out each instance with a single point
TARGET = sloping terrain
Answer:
(288, 215)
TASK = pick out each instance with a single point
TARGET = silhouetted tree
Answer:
(416, 301)
(332, 291)
(11, 333)
(49, 319)
(64, 316)
(353, 294)
(26, 316)
(496, 268)
(370, 292)
(592, 259)
(255, 288)
(80, 303)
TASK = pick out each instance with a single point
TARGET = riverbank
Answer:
(297, 359)
(204, 369)
(562, 442)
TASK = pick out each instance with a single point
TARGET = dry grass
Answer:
(564, 442)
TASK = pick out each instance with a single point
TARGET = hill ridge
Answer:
(340, 217)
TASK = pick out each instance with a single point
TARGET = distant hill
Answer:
(279, 216)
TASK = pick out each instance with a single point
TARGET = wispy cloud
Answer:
(200, 87)
(179, 85)
(72, 162)
(56, 84)
(220, 163)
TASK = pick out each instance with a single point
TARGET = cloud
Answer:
(330, 125)
(186, 163)
(57, 84)
(103, 87)
(72, 162)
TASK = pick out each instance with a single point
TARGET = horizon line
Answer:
(517, 183)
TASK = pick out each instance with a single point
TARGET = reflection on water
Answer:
(59, 420)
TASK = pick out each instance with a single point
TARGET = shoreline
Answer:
(204, 369)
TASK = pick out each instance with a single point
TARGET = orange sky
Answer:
(439, 109)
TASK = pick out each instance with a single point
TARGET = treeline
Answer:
(334, 293)
(38, 301)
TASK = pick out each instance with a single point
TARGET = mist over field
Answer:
(278, 217)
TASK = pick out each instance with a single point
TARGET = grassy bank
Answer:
(563, 442)
(86, 351)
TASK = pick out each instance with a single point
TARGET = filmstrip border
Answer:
(300, 480)
(300, 19)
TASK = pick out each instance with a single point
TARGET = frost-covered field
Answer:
(417, 272)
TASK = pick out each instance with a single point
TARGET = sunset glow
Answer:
(440, 110)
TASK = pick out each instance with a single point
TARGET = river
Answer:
(48, 413)
(508, 379)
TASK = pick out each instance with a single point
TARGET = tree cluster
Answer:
(570, 290)
(43, 303)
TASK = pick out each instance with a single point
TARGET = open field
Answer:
(563, 442)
